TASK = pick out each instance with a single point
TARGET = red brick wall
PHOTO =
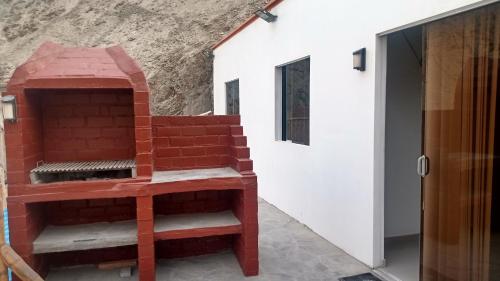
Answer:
(190, 142)
(89, 211)
(192, 246)
(82, 125)
(90, 256)
(194, 202)
(26, 149)
(26, 222)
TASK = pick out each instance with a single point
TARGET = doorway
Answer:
(444, 105)
(403, 135)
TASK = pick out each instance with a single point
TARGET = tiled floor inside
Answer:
(288, 251)
(402, 257)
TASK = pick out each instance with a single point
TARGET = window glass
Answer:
(233, 97)
(295, 98)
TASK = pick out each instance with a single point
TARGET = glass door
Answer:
(461, 209)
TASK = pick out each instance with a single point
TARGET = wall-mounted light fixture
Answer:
(9, 108)
(266, 15)
(359, 59)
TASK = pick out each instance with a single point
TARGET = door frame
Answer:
(379, 123)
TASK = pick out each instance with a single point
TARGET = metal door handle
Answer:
(422, 166)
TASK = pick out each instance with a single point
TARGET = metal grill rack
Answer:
(45, 170)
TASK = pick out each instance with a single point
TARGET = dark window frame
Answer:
(287, 120)
(230, 97)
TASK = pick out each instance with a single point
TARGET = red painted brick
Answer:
(168, 152)
(124, 121)
(101, 202)
(168, 131)
(239, 140)
(194, 131)
(217, 150)
(101, 143)
(143, 121)
(141, 109)
(103, 99)
(141, 97)
(84, 132)
(181, 141)
(143, 134)
(99, 122)
(217, 130)
(236, 130)
(77, 99)
(184, 162)
(114, 132)
(207, 140)
(208, 161)
(144, 170)
(240, 152)
(143, 158)
(144, 146)
(121, 110)
(58, 111)
(90, 110)
(193, 151)
(71, 122)
(125, 98)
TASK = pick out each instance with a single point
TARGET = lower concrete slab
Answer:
(288, 252)
(55, 239)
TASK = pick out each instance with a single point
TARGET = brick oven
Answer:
(93, 178)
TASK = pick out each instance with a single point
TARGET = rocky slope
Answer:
(171, 39)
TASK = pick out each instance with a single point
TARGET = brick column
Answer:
(146, 245)
(25, 225)
(246, 245)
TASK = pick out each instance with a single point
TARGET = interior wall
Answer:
(403, 132)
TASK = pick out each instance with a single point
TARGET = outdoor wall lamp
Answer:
(266, 15)
(9, 108)
(359, 59)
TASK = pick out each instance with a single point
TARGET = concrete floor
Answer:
(288, 252)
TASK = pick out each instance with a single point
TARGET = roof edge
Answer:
(240, 28)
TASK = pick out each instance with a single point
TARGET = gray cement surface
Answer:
(288, 252)
(198, 220)
(55, 239)
(195, 174)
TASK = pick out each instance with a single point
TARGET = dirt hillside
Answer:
(171, 39)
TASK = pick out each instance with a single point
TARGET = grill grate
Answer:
(84, 166)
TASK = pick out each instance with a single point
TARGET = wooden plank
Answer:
(3, 194)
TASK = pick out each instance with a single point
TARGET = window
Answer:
(294, 102)
(233, 97)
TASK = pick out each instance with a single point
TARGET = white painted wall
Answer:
(403, 131)
(329, 185)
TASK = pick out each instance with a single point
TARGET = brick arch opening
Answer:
(78, 104)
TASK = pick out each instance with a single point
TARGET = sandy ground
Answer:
(170, 39)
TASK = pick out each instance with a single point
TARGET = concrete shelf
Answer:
(55, 239)
(196, 225)
(195, 174)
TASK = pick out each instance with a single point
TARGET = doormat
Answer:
(361, 277)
